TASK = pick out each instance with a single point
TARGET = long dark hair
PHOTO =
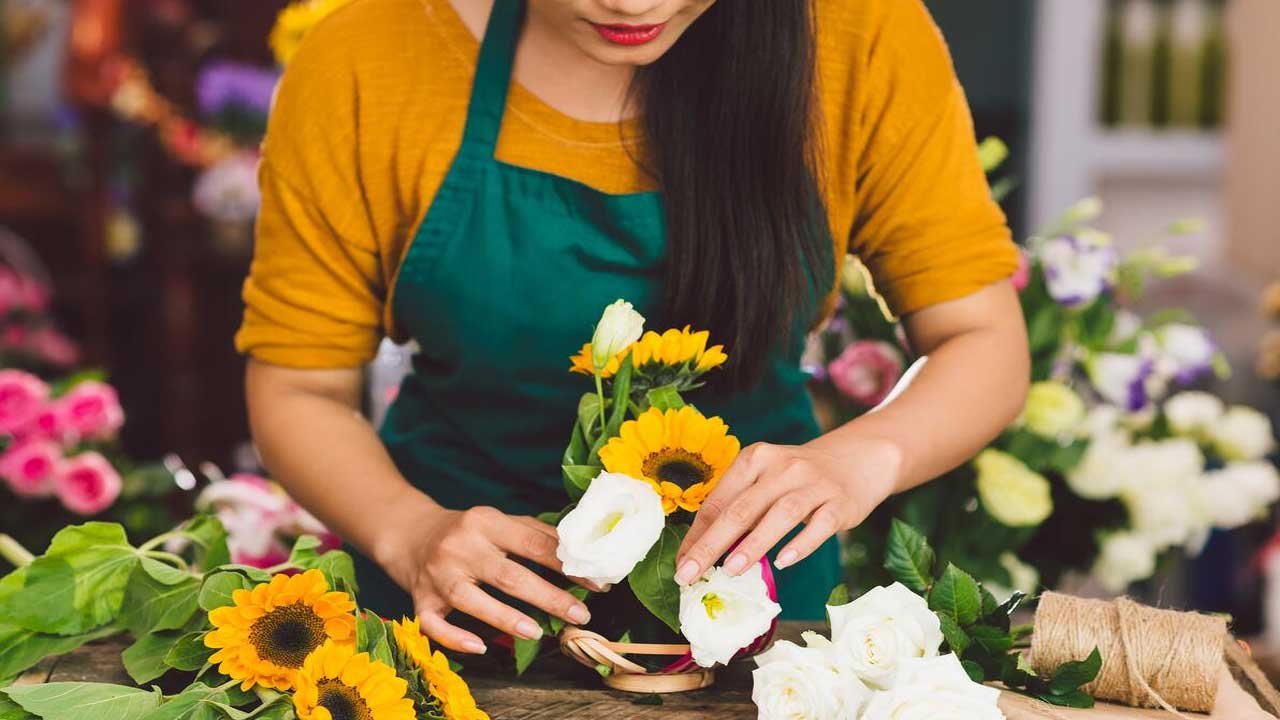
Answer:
(731, 135)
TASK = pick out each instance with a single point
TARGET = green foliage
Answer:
(84, 701)
(957, 596)
(653, 578)
(665, 398)
(908, 557)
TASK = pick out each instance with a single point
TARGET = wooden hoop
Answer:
(592, 650)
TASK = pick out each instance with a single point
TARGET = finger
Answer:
(821, 525)
(477, 603)
(520, 582)
(741, 515)
(523, 539)
(740, 476)
(787, 513)
(449, 635)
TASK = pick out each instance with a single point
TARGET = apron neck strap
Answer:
(493, 76)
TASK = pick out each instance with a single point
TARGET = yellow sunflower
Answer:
(337, 684)
(672, 349)
(446, 685)
(680, 452)
(294, 22)
(266, 634)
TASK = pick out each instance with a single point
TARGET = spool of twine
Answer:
(1150, 658)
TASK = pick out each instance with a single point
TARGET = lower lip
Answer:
(629, 34)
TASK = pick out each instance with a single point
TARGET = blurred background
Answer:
(127, 196)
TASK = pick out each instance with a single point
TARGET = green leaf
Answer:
(576, 452)
(908, 557)
(164, 572)
(839, 596)
(526, 651)
(338, 568)
(77, 585)
(1074, 699)
(1070, 676)
(957, 639)
(989, 604)
(553, 517)
(210, 539)
(577, 478)
(144, 660)
(621, 397)
(152, 605)
(189, 653)
(84, 701)
(22, 649)
(373, 639)
(555, 624)
(665, 398)
(218, 587)
(10, 710)
(304, 553)
(991, 639)
(975, 671)
(653, 581)
(589, 416)
(956, 594)
(197, 702)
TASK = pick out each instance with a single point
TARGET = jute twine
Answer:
(591, 649)
(1150, 658)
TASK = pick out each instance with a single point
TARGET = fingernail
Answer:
(687, 572)
(579, 615)
(474, 646)
(528, 629)
(736, 564)
(785, 558)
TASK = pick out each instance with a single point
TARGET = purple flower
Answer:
(1124, 380)
(222, 85)
(1186, 351)
(1078, 268)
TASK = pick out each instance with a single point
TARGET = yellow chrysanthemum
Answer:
(680, 452)
(294, 22)
(336, 683)
(673, 348)
(446, 685)
(266, 634)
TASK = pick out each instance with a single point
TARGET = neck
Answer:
(551, 67)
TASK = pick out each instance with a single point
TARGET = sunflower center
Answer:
(677, 465)
(287, 635)
(342, 701)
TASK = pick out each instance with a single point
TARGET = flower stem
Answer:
(600, 394)
(157, 541)
(13, 551)
(175, 560)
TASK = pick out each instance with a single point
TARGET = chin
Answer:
(607, 53)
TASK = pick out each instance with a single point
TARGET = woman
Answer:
(484, 177)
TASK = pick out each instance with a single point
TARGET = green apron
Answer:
(504, 280)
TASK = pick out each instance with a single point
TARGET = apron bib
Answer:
(504, 280)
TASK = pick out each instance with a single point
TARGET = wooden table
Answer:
(557, 689)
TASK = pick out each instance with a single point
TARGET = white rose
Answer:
(935, 688)
(619, 327)
(616, 522)
(1103, 468)
(722, 613)
(874, 633)
(1125, 558)
(1011, 492)
(1160, 492)
(805, 683)
(1193, 413)
(1186, 351)
(1243, 434)
(1238, 494)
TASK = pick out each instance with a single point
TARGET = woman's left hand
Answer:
(826, 485)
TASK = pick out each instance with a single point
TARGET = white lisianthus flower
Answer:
(1052, 409)
(874, 633)
(1102, 420)
(619, 327)
(1193, 413)
(1104, 467)
(723, 613)
(1160, 492)
(1011, 492)
(1126, 381)
(1078, 268)
(935, 688)
(615, 524)
(1239, 493)
(1127, 325)
(1243, 434)
(1125, 558)
(1186, 351)
(792, 682)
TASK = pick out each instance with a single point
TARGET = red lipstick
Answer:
(629, 34)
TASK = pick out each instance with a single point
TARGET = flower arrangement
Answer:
(885, 656)
(239, 641)
(1097, 474)
(639, 464)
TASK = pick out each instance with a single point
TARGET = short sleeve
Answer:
(315, 292)
(925, 223)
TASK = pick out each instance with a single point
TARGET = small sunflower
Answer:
(294, 22)
(680, 452)
(446, 686)
(336, 683)
(266, 634)
(671, 352)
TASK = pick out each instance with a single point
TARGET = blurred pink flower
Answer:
(1022, 276)
(31, 468)
(276, 553)
(92, 410)
(260, 517)
(88, 484)
(15, 336)
(54, 347)
(19, 292)
(47, 424)
(22, 397)
(866, 371)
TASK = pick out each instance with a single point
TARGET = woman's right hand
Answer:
(442, 557)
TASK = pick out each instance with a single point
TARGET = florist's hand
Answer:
(444, 557)
(827, 486)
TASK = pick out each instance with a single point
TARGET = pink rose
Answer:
(10, 290)
(33, 295)
(1021, 276)
(47, 424)
(866, 371)
(92, 410)
(88, 484)
(22, 397)
(32, 468)
(54, 347)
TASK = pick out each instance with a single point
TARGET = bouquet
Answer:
(234, 641)
(639, 464)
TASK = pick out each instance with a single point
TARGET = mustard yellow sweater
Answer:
(370, 114)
